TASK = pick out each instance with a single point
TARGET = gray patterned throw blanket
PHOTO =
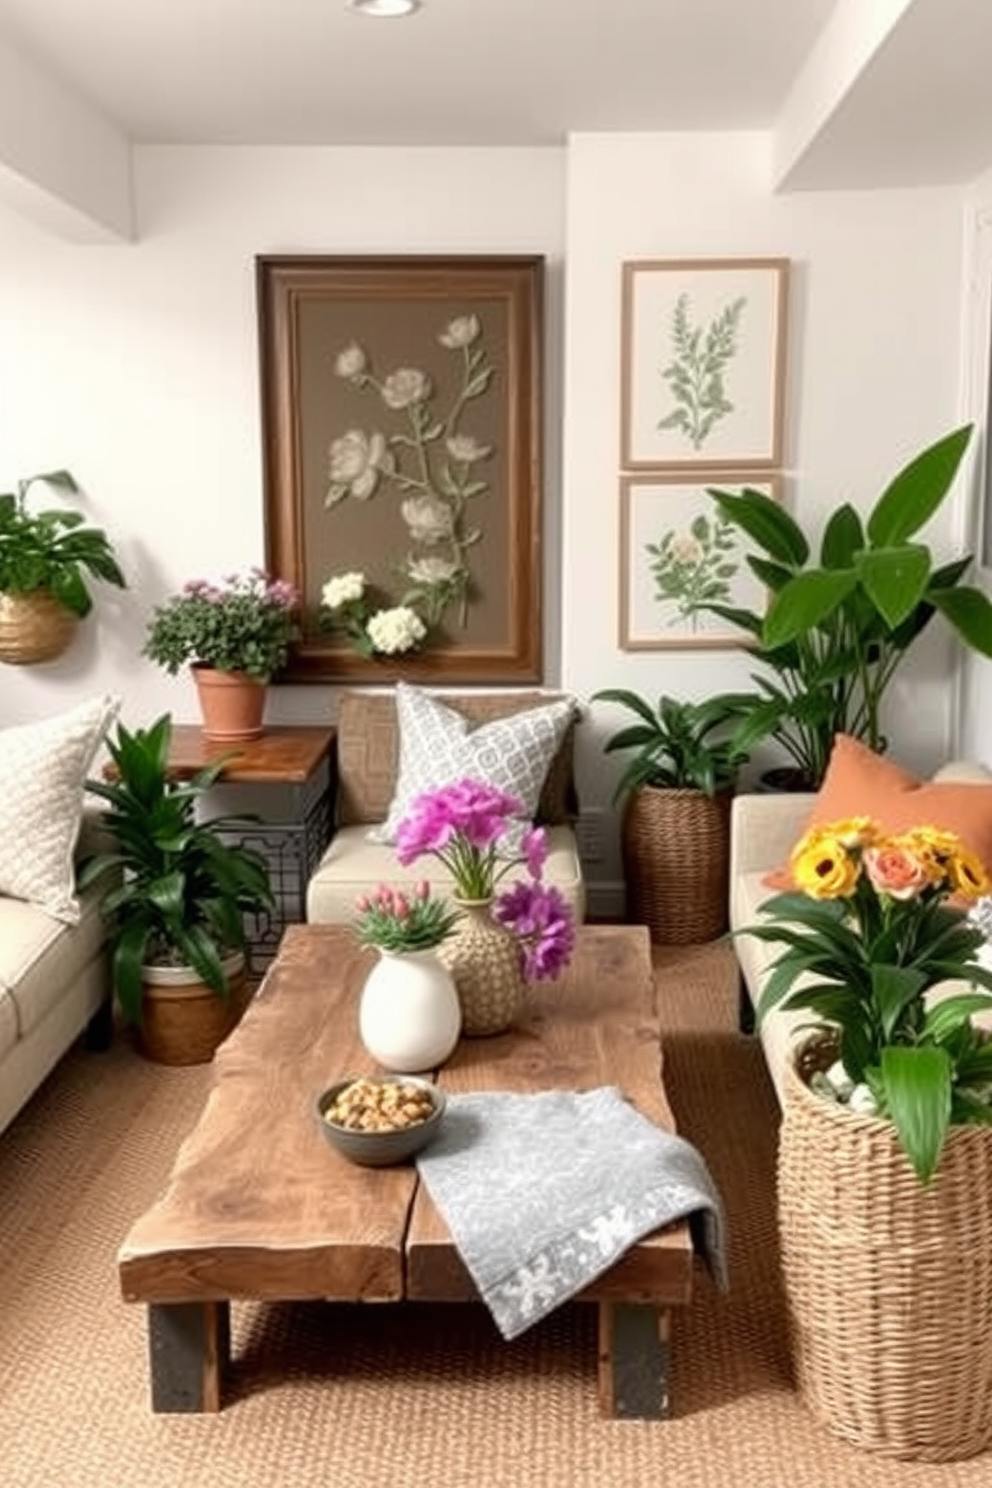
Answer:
(542, 1193)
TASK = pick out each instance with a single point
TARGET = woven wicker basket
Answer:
(676, 858)
(34, 627)
(183, 1021)
(888, 1281)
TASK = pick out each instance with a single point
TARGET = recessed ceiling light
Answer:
(385, 9)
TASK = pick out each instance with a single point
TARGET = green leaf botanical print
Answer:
(693, 568)
(695, 375)
(430, 460)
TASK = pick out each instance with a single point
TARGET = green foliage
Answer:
(392, 920)
(246, 624)
(693, 569)
(836, 630)
(695, 375)
(185, 889)
(52, 549)
(864, 962)
(676, 744)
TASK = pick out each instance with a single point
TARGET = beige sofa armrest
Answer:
(964, 772)
(765, 828)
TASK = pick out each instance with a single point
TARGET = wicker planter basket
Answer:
(34, 627)
(183, 1020)
(888, 1281)
(676, 858)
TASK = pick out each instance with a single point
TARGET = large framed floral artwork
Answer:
(401, 411)
(702, 375)
(677, 556)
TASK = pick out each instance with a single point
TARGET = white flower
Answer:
(431, 570)
(351, 361)
(399, 629)
(342, 589)
(405, 386)
(428, 518)
(467, 449)
(686, 549)
(355, 459)
(460, 332)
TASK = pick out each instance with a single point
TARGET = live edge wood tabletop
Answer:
(259, 1206)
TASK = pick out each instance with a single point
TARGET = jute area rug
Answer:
(349, 1397)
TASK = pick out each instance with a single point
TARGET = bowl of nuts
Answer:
(376, 1120)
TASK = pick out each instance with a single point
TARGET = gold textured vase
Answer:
(484, 959)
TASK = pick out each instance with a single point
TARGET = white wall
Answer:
(873, 377)
(136, 366)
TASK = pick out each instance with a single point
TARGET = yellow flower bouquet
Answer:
(876, 923)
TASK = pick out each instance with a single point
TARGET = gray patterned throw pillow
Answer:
(439, 747)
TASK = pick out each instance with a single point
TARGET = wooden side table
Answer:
(300, 760)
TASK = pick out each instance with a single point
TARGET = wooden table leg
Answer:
(189, 1347)
(633, 1360)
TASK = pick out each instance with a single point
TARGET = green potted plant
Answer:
(836, 629)
(178, 890)
(886, 1148)
(675, 831)
(236, 636)
(45, 560)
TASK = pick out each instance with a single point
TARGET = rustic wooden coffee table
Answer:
(258, 1206)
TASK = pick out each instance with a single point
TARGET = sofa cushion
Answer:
(368, 751)
(8, 1023)
(43, 769)
(352, 865)
(39, 957)
(859, 782)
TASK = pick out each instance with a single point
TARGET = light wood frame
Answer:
(702, 374)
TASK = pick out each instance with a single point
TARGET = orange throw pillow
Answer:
(859, 782)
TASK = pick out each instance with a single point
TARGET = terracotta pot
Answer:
(484, 959)
(232, 704)
(183, 1021)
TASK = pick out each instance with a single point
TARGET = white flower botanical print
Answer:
(431, 461)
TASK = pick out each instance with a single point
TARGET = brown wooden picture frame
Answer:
(401, 420)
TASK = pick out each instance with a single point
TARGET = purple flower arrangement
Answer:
(462, 825)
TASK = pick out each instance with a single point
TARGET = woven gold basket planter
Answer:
(888, 1281)
(676, 858)
(34, 627)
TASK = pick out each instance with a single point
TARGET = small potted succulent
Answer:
(409, 1015)
(235, 635)
(46, 558)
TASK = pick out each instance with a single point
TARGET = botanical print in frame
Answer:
(703, 363)
(401, 422)
(676, 552)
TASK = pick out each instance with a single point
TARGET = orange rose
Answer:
(894, 870)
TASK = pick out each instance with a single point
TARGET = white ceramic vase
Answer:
(409, 1017)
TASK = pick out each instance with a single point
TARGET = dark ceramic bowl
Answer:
(379, 1149)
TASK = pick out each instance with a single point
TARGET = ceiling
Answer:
(523, 72)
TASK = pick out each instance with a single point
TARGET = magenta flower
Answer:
(542, 922)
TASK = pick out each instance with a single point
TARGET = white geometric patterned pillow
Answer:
(43, 770)
(438, 747)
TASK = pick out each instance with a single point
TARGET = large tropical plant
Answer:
(836, 629)
(178, 888)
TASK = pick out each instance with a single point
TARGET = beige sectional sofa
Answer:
(764, 829)
(368, 765)
(54, 973)
(54, 982)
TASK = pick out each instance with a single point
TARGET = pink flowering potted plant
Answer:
(236, 636)
(523, 931)
(409, 1015)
